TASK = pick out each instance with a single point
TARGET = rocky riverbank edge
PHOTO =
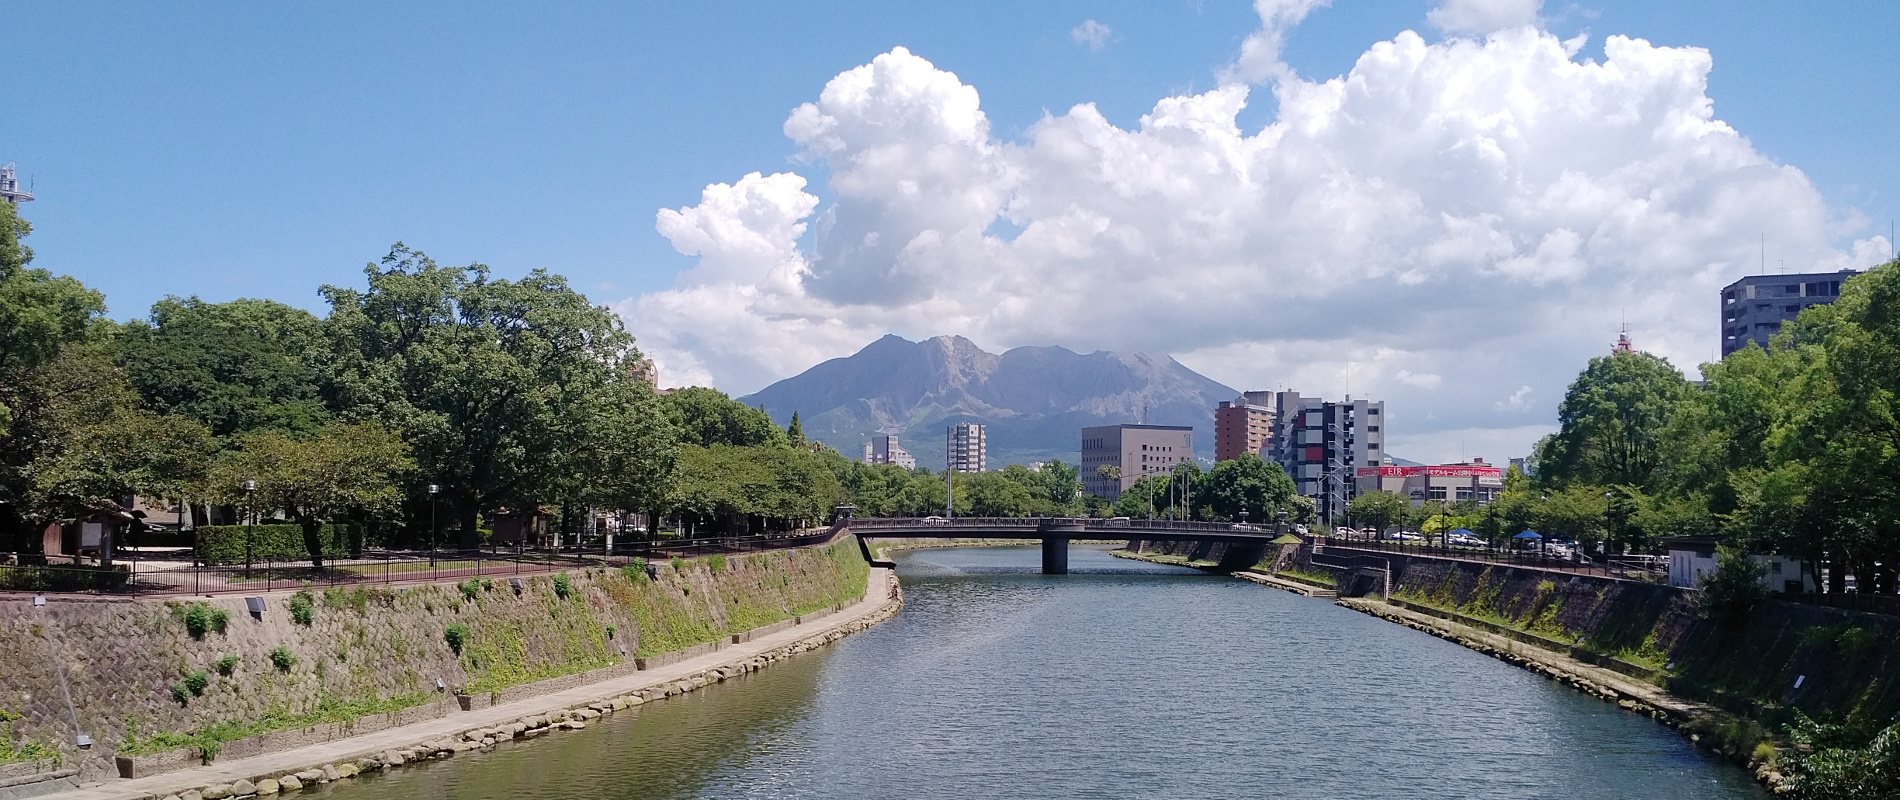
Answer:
(344, 759)
(1698, 723)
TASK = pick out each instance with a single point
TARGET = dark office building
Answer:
(1754, 307)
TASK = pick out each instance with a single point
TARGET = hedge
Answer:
(224, 544)
(63, 578)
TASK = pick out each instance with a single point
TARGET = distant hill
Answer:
(1034, 400)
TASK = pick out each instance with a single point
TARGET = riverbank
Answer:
(568, 709)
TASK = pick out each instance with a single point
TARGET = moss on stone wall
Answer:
(373, 649)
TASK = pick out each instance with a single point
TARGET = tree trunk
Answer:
(470, 539)
(312, 538)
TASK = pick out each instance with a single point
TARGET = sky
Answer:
(1447, 205)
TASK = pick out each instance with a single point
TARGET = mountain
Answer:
(1033, 400)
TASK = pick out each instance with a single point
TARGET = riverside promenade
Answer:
(570, 709)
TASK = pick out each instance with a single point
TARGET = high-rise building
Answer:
(1321, 442)
(1243, 425)
(964, 449)
(1754, 307)
(883, 449)
(1132, 452)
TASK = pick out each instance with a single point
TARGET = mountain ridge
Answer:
(1034, 400)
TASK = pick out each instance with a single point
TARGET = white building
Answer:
(964, 448)
(1692, 557)
(883, 449)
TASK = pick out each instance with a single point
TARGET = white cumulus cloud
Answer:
(1483, 16)
(1440, 225)
(1091, 33)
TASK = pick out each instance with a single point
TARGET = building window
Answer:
(1464, 493)
(1435, 493)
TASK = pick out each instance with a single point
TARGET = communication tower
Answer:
(10, 187)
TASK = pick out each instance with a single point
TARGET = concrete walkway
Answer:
(880, 595)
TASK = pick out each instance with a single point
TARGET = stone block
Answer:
(268, 786)
(243, 788)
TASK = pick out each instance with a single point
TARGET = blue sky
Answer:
(1431, 255)
(243, 149)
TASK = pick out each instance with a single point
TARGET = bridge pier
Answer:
(1055, 556)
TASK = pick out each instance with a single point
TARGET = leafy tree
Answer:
(1576, 512)
(40, 314)
(496, 385)
(994, 494)
(1248, 484)
(234, 367)
(1611, 422)
(92, 445)
(707, 417)
(726, 487)
(1379, 510)
(317, 478)
(1841, 760)
(796, 430)
(1734, 588)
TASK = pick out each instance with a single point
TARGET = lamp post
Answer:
(1608, 499)
(433, 490)
(250, 528)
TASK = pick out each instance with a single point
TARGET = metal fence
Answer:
(1618, 569)
(376, 567)
(1851, 601)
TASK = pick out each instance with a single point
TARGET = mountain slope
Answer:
(1035, 400)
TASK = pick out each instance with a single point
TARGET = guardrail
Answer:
(384, 567)
(1033, 524)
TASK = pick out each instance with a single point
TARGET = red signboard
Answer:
(1446, 471)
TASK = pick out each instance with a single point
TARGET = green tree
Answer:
(707, 417)
(1611, 422)
(1378, 510)
(40, 314)
(317, 478)
(234, 367)
(795, 431)
(1248, 484)
(994, 494)
(496, 385)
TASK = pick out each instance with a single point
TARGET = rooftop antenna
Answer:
(1783, 269)
(10, 186)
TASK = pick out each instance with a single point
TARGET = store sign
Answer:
(1448, 471)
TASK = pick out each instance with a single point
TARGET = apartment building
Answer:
(964, 450)
(1320, 443)
(1754, 308)
(1243, 425)
(1134, 451)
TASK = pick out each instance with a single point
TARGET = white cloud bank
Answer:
(1091, 33)
(1452, 227)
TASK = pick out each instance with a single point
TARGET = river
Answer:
(1121, 679)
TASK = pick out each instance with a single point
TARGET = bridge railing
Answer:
(1090, 524)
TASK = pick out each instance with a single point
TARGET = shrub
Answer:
(302, 606)
(282, 658)
(181, 694)
(679, 564)
(1834, 760)
(457, 637)
(471, 588)
(610, 631)
(227, 665)
(1734, 587)
(636, 572)
(197, 682)
(563, 586)
(717, 563)
(220, 620)
(224, 544)
(198, 619)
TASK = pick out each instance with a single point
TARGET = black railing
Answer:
(376, 567)
(1851, 601)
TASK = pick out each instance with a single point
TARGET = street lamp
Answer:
(250, 529)
(433, 490)
(1608, 498)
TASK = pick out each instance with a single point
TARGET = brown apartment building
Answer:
(1243, 425)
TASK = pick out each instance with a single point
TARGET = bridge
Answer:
(1056, 532)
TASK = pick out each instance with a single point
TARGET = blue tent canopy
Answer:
(1529, 535)
(1464, 531)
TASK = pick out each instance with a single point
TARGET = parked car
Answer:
(1117, 522)
(935, 520)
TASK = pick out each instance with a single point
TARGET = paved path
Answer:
(879, 592)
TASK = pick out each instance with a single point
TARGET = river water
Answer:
(1121, 679)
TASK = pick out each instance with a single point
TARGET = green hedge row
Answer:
(224, 544)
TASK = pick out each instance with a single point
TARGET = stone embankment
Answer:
(101, 688)
(569, 710)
